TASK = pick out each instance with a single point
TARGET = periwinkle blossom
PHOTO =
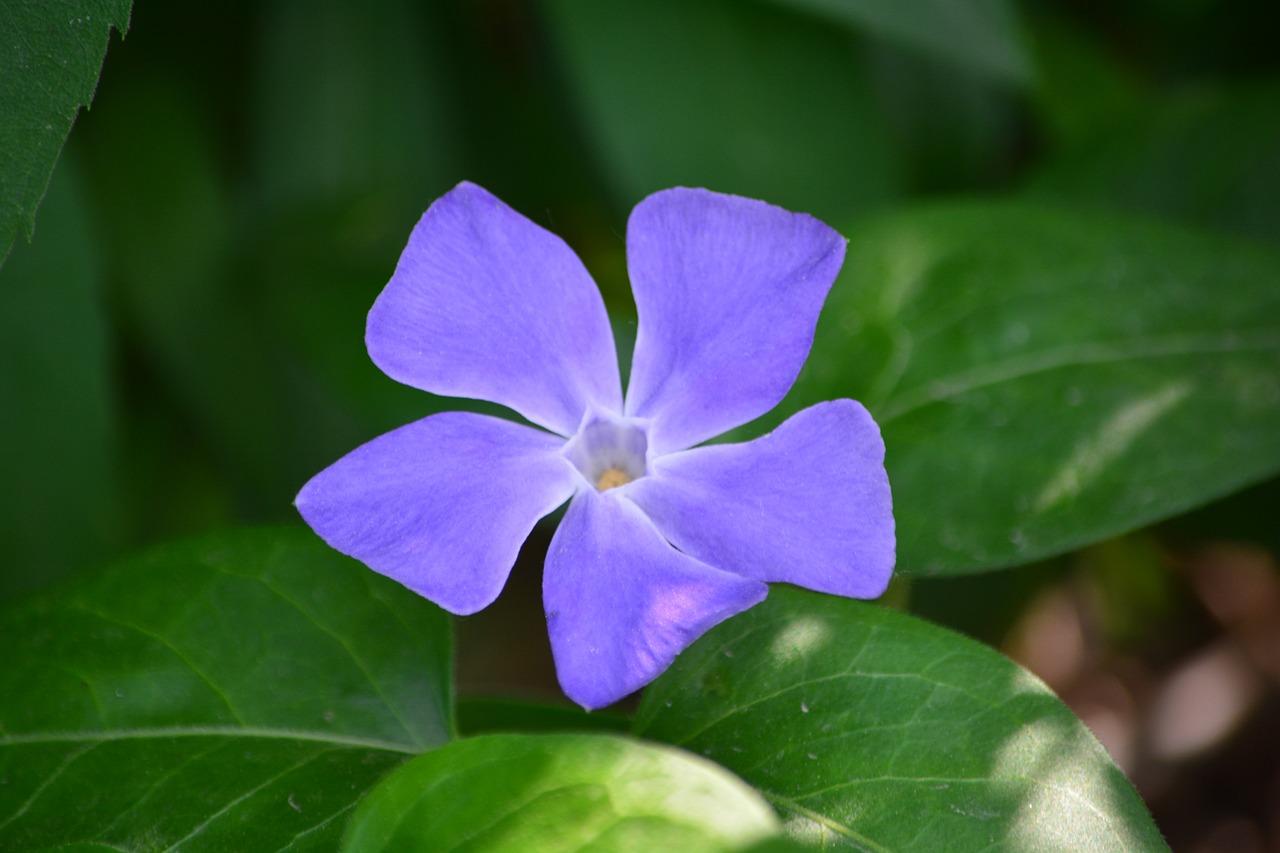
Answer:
(662, 538)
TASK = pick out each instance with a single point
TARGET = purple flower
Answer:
(662, 539)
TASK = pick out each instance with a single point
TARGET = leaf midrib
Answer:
(1077, 355)
(256, 732)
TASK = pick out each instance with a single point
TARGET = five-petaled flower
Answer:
(662, 538)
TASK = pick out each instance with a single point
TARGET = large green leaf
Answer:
(1045, 380)
(981, 36)
(876, 731)
(736, 97)
(50, 54)
(239, 692)
(564, 792)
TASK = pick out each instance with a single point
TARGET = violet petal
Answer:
(728, 292)
(622, 603)
(441, 505)
(808, 504)
(486, 304)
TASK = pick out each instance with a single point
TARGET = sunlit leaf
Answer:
(872, 730)
(1045, 380)
(50, 54)
(239, 692)
(564, 792)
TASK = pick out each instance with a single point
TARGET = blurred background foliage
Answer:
(181, 345)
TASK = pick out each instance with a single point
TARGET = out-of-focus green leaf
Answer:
(239, 692)
(982, 36)
(50, 54)
(57, 417)
(1205, 157)
(553, 793)
(167, 215)
(1045, 380)
(353, 106)
(872, 730)
(736, 97)
(1080, 83)
(953, 130)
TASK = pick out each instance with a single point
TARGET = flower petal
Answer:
(622, 603)
(728, 292)
(808, 504)
(488, 305)
(441, 505)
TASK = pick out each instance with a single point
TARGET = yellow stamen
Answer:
(612, 478)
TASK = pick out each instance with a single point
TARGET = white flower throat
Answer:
(609, 453)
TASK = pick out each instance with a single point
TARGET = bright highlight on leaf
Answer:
(662, 539)
(841, 713)
(522, 793)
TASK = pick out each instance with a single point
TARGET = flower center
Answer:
(609, 453)
(612, 478)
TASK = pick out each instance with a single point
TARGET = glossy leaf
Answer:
(872, 730)
(561, 792)
(735, 97)
(239, 692)
(981, 36)
(50, 56)
(1045, 380)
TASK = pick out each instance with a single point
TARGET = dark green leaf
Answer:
(168, 220)
(954, 130)
(490, 714)
(50, 54)
(872, 730)
(550, 793)
(736, 97)
(353, 106)
(982, 36)
(1205, 157)
(234, 693)
(57, 419)
(1046, 380)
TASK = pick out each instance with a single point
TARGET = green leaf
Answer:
(168, 220)
(479, 715)
(552, 793)
(50, 54)
(955, 131)
(353, 105)
(1046, 380)
(982, 36)
(1203, 156)
(57, 420)
(239, 692)
(736, 97)
(872, 730)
